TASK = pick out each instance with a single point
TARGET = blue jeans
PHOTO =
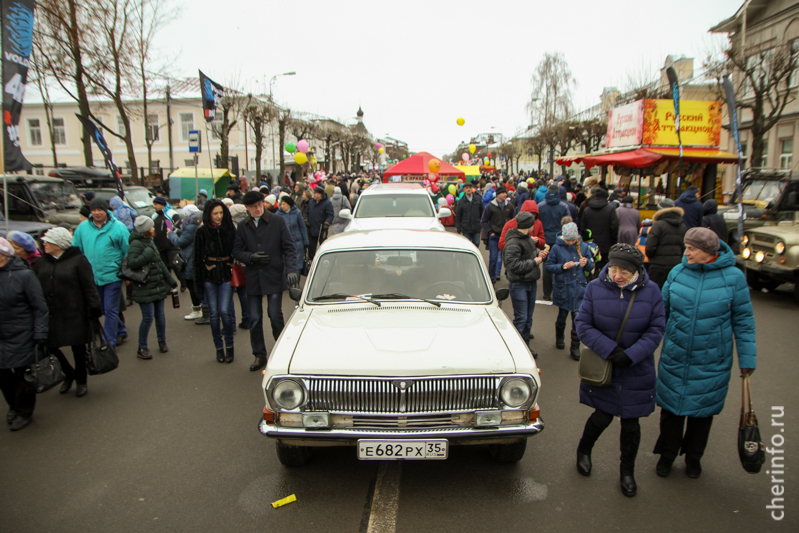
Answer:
(473, 237)
(109, 299)
(561, 320)
(219, 298)
(149, 310)
(522, 296)
(244, 302)
(494, 257)
(274, 311)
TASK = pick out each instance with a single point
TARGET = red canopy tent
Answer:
(649, 156)
(415, 169)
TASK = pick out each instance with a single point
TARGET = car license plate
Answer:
(383, 450)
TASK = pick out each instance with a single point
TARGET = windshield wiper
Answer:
(397, 296)
(340, 296)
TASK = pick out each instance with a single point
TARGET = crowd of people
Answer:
(627, 284)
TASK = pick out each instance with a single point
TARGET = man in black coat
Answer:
(495, 216)
(318, 217)
(468, 213)
(263, 243)
(664, 241)
(693, 210)
(713, 220)
(600, 217)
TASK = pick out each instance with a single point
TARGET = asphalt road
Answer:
(172, 445)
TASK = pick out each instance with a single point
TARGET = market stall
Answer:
(183, 186)
(415, 169)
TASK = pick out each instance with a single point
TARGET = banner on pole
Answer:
(732, 109)
(17, 43)
(675, 95)
(97, 135)
(212, 93)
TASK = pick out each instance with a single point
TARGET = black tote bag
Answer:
(101, 357)
(45, 372)
(750, 445)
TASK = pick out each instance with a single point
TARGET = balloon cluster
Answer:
(299, 150)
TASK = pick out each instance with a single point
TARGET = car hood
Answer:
(783, 231)
(400, 339)
(367, 224)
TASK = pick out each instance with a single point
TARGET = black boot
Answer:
(584, 462)
(560, 340)
(629, 440)
(206, 318)
(66, 386)
(575, 347)
(229, 354)
(258, 364)
(693, 468)
(594, 427)
(663, 468)
(628, 486)
(162, 347)
(220, 355)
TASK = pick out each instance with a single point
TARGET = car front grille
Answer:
(413, 395)
(764, 239)
(403, 422)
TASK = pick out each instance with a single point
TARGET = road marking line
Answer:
(385, 502)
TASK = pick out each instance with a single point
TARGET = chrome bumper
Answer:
(349, 437)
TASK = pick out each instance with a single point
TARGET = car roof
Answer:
(30, 177)
(397, 238)
(392, 188)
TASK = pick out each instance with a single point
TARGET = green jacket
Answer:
(142, 252)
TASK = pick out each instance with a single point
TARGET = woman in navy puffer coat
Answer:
(631, 394)
(707, 303)
(299, 233)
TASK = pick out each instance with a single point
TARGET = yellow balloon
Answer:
(472, 148)
(461, 122)
(300, 158)
(380, 150)
(452, 189)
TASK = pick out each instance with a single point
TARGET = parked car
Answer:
(41, 199)
(398, 348)
(35, 229)
(394, 206)
(768, 196)
(770, 255)
(139, 198)
(84, 177)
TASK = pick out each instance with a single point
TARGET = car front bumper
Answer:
(778, 272)
(350, 436)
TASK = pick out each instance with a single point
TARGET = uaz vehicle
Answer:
(395, 206)
(139, 198)
(398, 348)
(770, 255)
(41, 199)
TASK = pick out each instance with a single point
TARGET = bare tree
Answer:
(762, 80)
(551, 98)
(258, 115)
(41, 78)
(230, 108)
(283, 118)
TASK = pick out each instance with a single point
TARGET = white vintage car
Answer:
(398, 347)
(395, 206)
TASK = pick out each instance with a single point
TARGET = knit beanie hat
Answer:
(24, 240)
(599, 192)
(59, 237)
(501, 190)
(626, 256)
(569, 232)
(627, 200)
(666, 203)
(159, 200)
(143, 224)
(271, 199)
(287, 200)
(703, 238)
(5, 248)
(228, 202)
(525, 220)
(98, 203)
(553, 189)
(523, 185)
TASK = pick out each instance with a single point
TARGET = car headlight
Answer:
(745, 240)
(287, 394)
(780, 248)
(515, 392)
(747, 253)
(759, 256)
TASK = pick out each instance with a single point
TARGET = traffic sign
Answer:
(195, 142)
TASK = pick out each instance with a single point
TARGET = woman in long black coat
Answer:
(68, 284)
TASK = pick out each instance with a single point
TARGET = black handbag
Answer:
(101, 357)
(136, 276)
(750, 446)
(594, 370)
(178, 264)
(45, 372)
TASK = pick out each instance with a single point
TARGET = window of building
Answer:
(59, 132)
(121, 127)
(153, 130)
(186, 125)
(215, 130)
(34, 132)
(252, 163)
(793, 81)
(786, 153)
(743, 150)
(188, 162)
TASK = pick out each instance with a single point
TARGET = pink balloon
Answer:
(465, 157)
(379, 146)
(302, 146)
(450, 199)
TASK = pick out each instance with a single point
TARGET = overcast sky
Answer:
(416, 66)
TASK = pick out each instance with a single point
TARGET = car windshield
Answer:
(58, 195)
(139, 197)
(763, 190)
(394, 205)
(430, 274)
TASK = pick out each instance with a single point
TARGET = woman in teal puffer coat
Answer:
(149, 295)
(707, 303)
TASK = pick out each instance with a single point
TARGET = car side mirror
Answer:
(502, 294)
(345, 213)
(295, 294)
(444, 213)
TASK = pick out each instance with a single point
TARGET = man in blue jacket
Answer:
(104, 241)
(319, 216)
(693, 208)
(551, 212)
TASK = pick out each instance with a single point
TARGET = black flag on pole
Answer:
(97, 135)
(17, 43)
(675, 94)
(212, 93)
(732, 109)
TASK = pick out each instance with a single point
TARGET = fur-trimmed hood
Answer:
(669, 212)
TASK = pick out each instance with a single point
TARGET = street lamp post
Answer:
(271, 101)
